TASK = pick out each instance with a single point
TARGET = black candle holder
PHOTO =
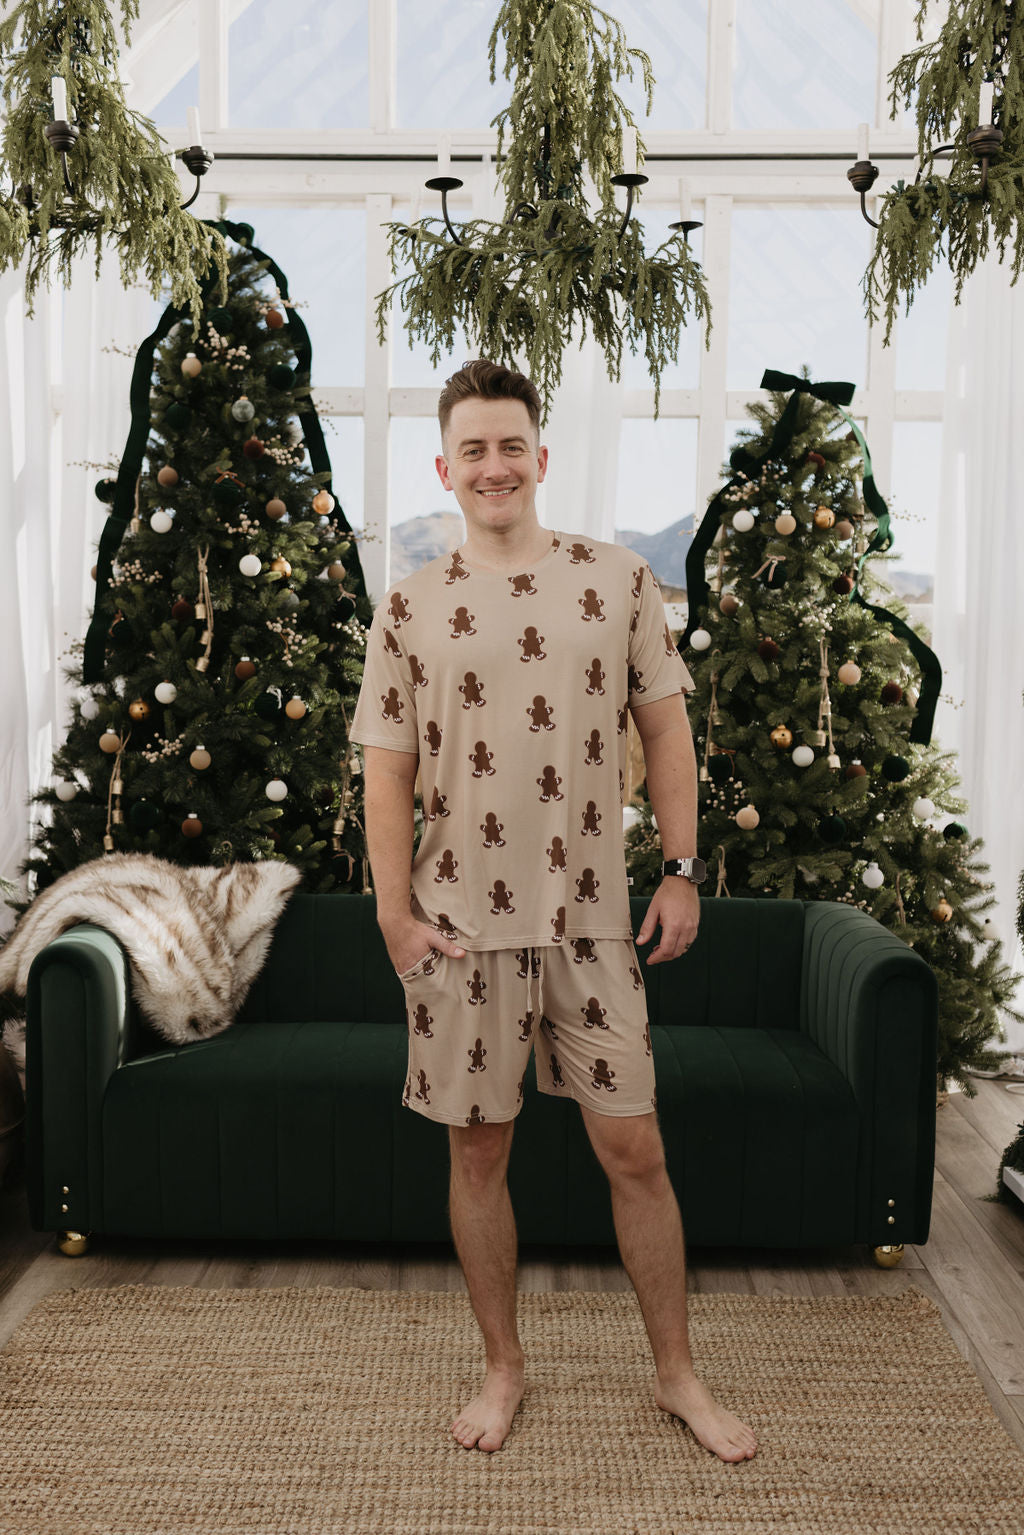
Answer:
(198, 160)
(687, 226)
(630, 180)
(62, 136)
(444, 185)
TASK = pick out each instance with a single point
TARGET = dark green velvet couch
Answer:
(794, 1047)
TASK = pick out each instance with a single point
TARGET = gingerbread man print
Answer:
(602, 1076)
(594, 746)
(419, 676)
(481, 760)
(462, 622)
(456, 570)
(492, 829)
(558, 923)
(423, 1091)
(437, 806)
(477, 986)
(634, 680)
(392, 709)
(422, 1021)
(581, 554)
(530, 645)
(526, 1027)
(432, 736)
(474, 1117)
(556, 1075)
(549, 785)
(595, 677)
(587, 887)
(476, 1056)
(583, 949)
(540, 714)
(391, 644)
(591, 604)
(594, 1015)
(472, 691)
(399, 609)
(446, 866)
(522, 586)
(501, 898)
(591, 816)
(556, 853)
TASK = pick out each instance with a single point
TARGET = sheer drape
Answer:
(63, 405)
(979, 612)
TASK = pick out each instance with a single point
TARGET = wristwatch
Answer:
(693, 869)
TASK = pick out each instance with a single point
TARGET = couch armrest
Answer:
(871, 1004)
(76, 1036)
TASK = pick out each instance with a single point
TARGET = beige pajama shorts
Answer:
(473, 1022)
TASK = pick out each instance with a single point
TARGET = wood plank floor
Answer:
(972, 1264)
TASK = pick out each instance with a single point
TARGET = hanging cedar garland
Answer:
(523, 290)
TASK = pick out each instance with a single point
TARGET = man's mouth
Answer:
(506, 491)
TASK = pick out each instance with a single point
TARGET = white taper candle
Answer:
(862, 141)
(193, 127)
(60, 99)
(985, 104)
(444, 155)
(684, 200)
(629, 150)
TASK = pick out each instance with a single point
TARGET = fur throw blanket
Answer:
(196, 937)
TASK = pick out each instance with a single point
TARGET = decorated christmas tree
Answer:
(813, 709)
(226, 649)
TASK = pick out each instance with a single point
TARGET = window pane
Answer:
(920, 336)
(443, 73)
(685, 372)
(300, 66)
(322, 253)
(795, 295)
(916, 467)
(173, 108)
(424, 518)
(656, 496)
(674, 37)
(166, 87)
(803, 64)
(343, 438)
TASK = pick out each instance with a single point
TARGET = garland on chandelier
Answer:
(523, 289)
(126, 191)
(981, 40)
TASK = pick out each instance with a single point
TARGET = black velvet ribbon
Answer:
(123, 504)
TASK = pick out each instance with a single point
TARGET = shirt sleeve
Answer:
(385, 712)
(656, 669)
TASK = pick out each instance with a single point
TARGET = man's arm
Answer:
(671, 768)
(388, 803)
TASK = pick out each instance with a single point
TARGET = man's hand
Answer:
(408, 941)
(676, 905)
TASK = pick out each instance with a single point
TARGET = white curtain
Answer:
(979, 585)
(63, 408)
(578, 495)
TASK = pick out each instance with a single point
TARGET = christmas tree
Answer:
(812, 714)
(226, 649)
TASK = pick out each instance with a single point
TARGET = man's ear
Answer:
(542, 464)
(441, 465)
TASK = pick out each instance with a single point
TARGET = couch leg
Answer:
(73, 1243)
(889, 1256)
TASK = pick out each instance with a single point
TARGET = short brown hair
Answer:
(485, 380)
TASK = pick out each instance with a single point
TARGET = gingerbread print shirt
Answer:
(514, 690)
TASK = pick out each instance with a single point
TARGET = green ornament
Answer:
(105, 490)
(831, 829)
(954, 832)
(221, 319)
(144, 816)
(267, 706)
(177, 415)
(228, 492)
(895, 768)
(720, 767)
(346, 606)
(288, 602)
(280, 376)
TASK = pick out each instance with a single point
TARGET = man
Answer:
(502, 673)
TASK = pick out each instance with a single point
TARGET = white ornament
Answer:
(165, 692)
(873, 877)
(250, 564)
(66, 790)
(161, 522)
(803, 756)
(743, 521)
(988, 927)
(90, 708)
(277, 789)
(700, 639)
(243, 409)
(923, 808)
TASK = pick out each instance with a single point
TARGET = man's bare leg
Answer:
(650, 1234)
(484, 1230)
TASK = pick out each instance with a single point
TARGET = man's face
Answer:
(492, 461)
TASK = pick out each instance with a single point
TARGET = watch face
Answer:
(698, 869)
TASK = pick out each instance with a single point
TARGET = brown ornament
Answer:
(785, 523)
(191, 367)
(782, 736)
(281, 565)
(824, 517)
(295, 708)
(192, 826)
(336, 571)
(92, 572)
(253, 448)
(768, 650)
(183, 610)
(275, 508)
(728, 604)
(844, 528)
(167, 475)
(943, 912)
(275, 319)
(245, 669)
(892, 693)
(843, 584)
(139, 709)
(110, 741)
(856, 770)
(200, 759)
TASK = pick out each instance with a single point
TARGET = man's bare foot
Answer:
(688, 1398)
(485, 1421)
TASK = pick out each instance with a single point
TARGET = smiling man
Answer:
(502, 673)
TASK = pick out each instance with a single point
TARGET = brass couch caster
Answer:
(889, 1256)
(73, 1243)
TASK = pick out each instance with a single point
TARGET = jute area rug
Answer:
(311, 1411)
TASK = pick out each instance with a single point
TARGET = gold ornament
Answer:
(295, 708)
(782, 736)
(824, 517)
(281, 565)
(139, 709)
(200, 759)
(943, 912)
(323, 502)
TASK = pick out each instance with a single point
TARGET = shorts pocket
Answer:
(422, 966)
